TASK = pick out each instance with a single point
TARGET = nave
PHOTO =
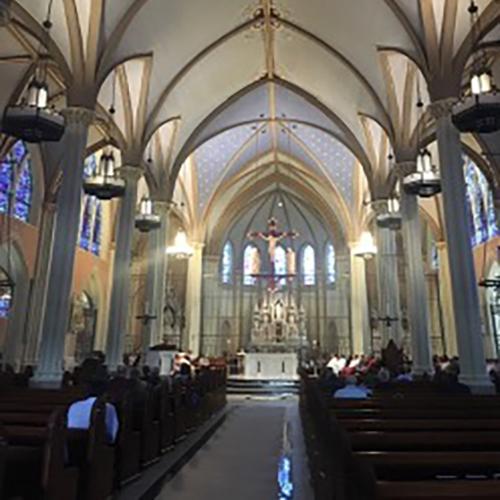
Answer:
(242, 459)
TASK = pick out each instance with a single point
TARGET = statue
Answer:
(272, 236)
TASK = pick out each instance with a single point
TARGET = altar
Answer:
(270, 365)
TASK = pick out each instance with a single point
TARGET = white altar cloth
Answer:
(270, 366)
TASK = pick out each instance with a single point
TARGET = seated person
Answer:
(352, 390)
(79, 412)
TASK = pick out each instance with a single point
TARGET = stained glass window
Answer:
(251, 264)
(330, 264)
(5, 296)
(16, 167)
(280, 263)
(227, 263)
(434, 256)
(308, 266)
(91, 218)
(481, 209)
(96, 234)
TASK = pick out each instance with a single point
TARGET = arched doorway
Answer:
(80, 341)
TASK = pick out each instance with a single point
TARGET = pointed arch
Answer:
(91, 217)
(251, 264)
(481, 209)
(16, 180)
(280, 263)
(308, 265)
(227, 263)
(330, 262)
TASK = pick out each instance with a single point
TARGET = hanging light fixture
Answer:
(105, 183)
(366, 248)
(480, 110)
(32, 120)
(181, 249)
(391, 217)
(146, 219)
(425, 181)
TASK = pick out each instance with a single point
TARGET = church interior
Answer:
(249, 249)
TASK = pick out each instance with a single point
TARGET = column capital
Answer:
(443, 107)
(406, 167)
(78, 115)
(379, 206)
(163, 207)
(131, 173)
(49, 206)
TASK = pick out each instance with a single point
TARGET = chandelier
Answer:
(391, 218)
(105, 183)
(32, 120)
(146, 219)
(479, 111)
(366, 248)
(425, 181)
(181, 249)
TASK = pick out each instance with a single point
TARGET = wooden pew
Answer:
(91, 452)
(128, 445)
(416, 425)
(36, 461)
(424, 440)
(149, 427)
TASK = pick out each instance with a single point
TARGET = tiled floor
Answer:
(241, 460)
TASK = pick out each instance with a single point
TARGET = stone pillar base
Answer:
(478, 385)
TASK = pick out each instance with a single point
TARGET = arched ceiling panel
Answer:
(354, 28)
(176, 31)
(319, 72)
(213, 80)
(212, 157)
(337, 160)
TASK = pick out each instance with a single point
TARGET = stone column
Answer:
(213, 344)
(462, 272)
(60, 271)
(39, 288)
(445, 290)
(120, 291)
(418, 313)
(157, 276)
(388, 282)
(360, 317)
(193, 300)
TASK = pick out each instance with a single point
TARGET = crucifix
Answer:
(388, 320)
(272, 236)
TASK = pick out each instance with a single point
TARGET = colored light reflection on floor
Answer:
(285, 479)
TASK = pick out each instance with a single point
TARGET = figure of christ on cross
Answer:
(272, 236)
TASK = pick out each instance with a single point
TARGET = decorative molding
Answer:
(379, 206)
(405, 167)
(78, 115)
(131, 173)
(442, 108)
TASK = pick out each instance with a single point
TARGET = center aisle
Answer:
(241, 460)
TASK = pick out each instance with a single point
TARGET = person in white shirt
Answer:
(79, 412)
(352, 390)
(334, 364)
